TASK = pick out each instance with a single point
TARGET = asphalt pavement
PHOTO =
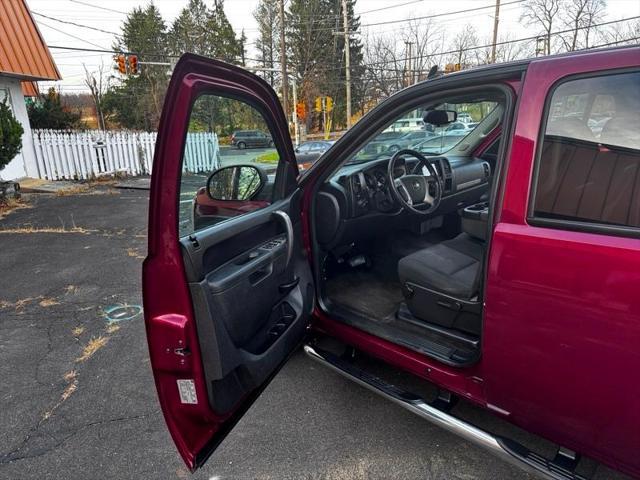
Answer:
(78, 400)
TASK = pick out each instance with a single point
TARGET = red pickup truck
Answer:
(503, 267)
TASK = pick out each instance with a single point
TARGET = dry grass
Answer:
(11, 205)
(19, 304)
(48, 302)
(32, 229)
(77, 331)
(71, 377)
(75, 190)
(69, 390)
(133, 252)
(112, 328)
(92, 347)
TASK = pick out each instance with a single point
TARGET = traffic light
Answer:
(318, 104)
(328, 103)
(133, 64)
(121, 64)
(452, 67)
(301, 110)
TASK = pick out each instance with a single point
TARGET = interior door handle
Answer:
(288, 227)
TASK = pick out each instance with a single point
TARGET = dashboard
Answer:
(358, 197)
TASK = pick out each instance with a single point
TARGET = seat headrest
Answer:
(622, 131)
(571, 128)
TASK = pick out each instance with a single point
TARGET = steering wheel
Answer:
(413, 190)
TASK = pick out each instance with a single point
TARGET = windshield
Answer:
(428, 139)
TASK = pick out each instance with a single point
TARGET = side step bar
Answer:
(507, 449)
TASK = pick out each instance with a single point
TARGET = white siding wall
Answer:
(24, 164)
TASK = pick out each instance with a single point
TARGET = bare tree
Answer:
(384, 62)
(463, 46)
(426, 38)
(98, 86)
(543, 15)
(581, 16)
(622, 33)
(507, 50)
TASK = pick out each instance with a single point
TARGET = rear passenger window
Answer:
(588, 167)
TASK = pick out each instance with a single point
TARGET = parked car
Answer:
(504, 270)
(242, 139)
(464, 117)
(406, 125)
(438, 144)
(460, 127)
(389, 145)
(309, 152)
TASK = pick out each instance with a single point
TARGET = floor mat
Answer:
(366, 292)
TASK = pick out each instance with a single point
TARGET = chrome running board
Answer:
(507, 449)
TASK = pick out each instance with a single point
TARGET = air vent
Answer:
(446, 167)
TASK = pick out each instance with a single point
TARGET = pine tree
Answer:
(311, 49)
(268, 42)
(10, 134)
(205, 31)
(317, 54)
(337, 76)
(137, 102)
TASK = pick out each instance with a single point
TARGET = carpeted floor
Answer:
(367, 292)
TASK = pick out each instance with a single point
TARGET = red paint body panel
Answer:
(561, 336)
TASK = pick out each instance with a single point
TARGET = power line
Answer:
(98, 7)
(427, 17)
(506, 42)
(444, 14)
(69, 35)
(75, 24)
(389, 7)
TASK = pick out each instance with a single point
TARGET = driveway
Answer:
(78, 400)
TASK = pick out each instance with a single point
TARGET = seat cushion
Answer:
(449, 267)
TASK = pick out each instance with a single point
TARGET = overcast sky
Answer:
(110, 15)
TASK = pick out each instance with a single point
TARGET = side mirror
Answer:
(236, 182)
(440, 118)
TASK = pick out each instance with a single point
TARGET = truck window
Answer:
(588, 166)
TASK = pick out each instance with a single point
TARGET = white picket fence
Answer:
(80, 155)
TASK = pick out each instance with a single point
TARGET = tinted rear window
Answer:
(589, 163)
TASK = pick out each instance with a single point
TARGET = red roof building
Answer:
(24, 58)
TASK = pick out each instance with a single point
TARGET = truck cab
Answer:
(501, 266)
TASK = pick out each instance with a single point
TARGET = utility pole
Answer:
(407, 63)
(283, 62)
(347, 45)
(495, 32)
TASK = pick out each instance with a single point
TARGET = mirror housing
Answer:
(236, 183)
(440, 118)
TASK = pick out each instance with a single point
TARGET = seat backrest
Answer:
(623, 130)
(584, 181)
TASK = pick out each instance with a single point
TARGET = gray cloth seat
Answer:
(450, 267)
